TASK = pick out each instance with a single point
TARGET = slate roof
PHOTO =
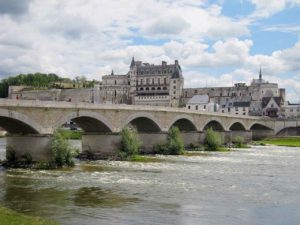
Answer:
(241, 104)
(266, 100)
(199, 99)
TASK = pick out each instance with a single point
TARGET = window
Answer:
(147, 81)
(196, 107)
(236, 109)
(158, 80)
(244, 109)
(196, 91)
(152, 80)
(174, 87)
(228, 109)
(174, 92)
(174, 81)
(115, 82)
(165, 80)
(189, 107)
(223, 111)
(204, 107)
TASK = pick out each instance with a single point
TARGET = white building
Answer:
(202, 103)
(289, 110)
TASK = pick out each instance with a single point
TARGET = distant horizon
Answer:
(217, 42)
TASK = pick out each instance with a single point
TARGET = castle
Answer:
(145, 84)
(163, 85)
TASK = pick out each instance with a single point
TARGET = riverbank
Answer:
(282, 141)
(9, 217)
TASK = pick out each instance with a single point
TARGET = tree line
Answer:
(39, 80)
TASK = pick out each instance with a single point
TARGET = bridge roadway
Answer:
(30, 125)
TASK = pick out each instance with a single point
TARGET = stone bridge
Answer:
(30, 125)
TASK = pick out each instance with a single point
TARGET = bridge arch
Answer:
(237, 126)
(88, 121)
(260, 131)
(18, 123)
(184, 123)
(214, 124)
(289, 131)
(143, 122)
(259, 126)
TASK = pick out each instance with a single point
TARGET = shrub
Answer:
(239, 141)
(62, 149)
(174, 145)
(212, 140)
(130, 143)
(27, 158)
(11, 155)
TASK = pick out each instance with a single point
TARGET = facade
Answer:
(289, 110)
(202, 103)
(229, 97)
(145, 84)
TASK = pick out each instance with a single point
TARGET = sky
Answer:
(217, 42)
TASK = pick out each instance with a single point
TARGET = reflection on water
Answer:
(252, 186)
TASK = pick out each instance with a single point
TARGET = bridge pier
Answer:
(38, 146)
(231, 135)
(104, 144)
(261, 134)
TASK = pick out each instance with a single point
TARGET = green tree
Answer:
(62, 149)
(130, 143)
(212, 140)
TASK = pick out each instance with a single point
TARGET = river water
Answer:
(253, 186)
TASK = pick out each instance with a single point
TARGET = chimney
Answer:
(176, 62)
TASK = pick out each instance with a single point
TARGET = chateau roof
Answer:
(199, 99)
(241, 104)
(266, 100)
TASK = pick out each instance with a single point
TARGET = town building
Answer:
(290, 110)
(202, 103)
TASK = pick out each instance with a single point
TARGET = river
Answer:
(253, 186)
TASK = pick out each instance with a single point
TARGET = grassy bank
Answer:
(9, 217)
(282, 141)
(72, 134)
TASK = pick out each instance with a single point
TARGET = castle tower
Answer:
(132, 80)
(176, 85)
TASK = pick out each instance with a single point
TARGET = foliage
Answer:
(174, 145)
(27, 158)
(11, 155)
(62, 149)
(72, 134)
(37, 80)
(212, 140)
(9, 217)
(282, 141)
(144, 159)
(130, 143)
(239, 142)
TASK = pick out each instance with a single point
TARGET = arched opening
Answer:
(159, 88)
(91, 125)
(237, 127)
(184, 125)
(215, 125)
(14, 126)
(289, 131)
(144, 124)
(260, 131)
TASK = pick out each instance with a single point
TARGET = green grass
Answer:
(141, 158)
(282, 141)
(72, 134)
(9, 217)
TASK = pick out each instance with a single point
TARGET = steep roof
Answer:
(265, 101)
(199, 99)
(241, 104)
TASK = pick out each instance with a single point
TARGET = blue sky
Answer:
(217, 42)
